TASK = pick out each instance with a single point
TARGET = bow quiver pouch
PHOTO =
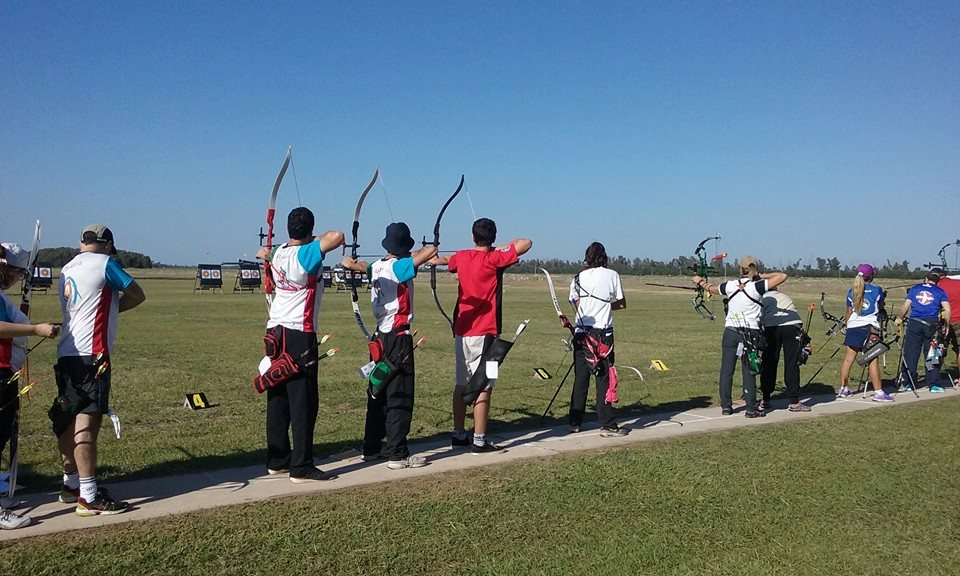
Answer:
(496, 351)
(873, 347)
(282, 365)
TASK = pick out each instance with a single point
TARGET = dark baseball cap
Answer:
(97, 233)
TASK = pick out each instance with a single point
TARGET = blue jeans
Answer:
(916, 342)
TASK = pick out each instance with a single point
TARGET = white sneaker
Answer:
(408, 462)
(11, 521)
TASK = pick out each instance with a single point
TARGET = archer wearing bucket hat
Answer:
(98, 234)
(94, 289)
(15, 328)
(923, 303)
(865, 307)
(390, 403)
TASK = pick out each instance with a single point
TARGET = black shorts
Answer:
(90, 391)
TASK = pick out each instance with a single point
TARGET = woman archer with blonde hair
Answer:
(864, 308)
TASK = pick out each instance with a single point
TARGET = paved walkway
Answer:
(178, 494)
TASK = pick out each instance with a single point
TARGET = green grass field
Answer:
(180, 342)
(866, 493)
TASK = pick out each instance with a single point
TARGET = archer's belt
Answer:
(929, 322)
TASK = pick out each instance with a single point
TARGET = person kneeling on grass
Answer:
(864, 308)
(390, 407)
(15, 327)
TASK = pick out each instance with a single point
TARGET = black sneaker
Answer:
(488, 446)
(313, 475)
(102, 504)
(757, 414)
(574, 428)
(765, 406)
(726, 412)
(461, 442)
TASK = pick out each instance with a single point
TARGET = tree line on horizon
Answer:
(679, 266)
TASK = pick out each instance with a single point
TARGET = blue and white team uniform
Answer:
(860, 321)
(90, 288)
(296, 271)
(390, 410)
(926, 300)
(293, 405)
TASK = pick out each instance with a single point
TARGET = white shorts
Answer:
(468, 350)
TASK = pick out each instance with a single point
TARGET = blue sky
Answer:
(792, 129)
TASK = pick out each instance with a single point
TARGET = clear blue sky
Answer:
(793, 129)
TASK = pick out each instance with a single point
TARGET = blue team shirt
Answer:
(926, 300)
(872, 296)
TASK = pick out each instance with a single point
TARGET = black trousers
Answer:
(9, 403)
(581, 384)
(292, 410)
(389, 414)
(786, 338)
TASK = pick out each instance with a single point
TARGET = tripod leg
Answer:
(570, 369)
(863, 382)
(822, 366)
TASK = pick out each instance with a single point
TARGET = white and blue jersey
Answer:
(296, 302)
(868, 313)
(89, 288)
(392, 293)
(926, 300)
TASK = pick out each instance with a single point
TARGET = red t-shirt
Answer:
(952, 287)
(481, 289)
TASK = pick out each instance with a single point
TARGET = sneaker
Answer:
(278, 471)
(936, 389)
(408, 462)
(461, 442)
(764, 405)
(726, 412)
(906, 388)
(102, 503)
(798, 407)
(69, 495)
(844, 392)
(613, 432)
(488, 446)
(371, 457)
(11, 521)
(313, 475)
(574, 428)
(757, 414)
(882, 397)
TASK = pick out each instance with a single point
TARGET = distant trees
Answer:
(57, 257)
(825, 267)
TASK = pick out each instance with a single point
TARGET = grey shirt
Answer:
(778, 310)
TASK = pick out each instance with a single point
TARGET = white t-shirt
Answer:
(296, 302)
(598, 288)
(743, 309)
(392, 292)
(89, 289)
(779, 310)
